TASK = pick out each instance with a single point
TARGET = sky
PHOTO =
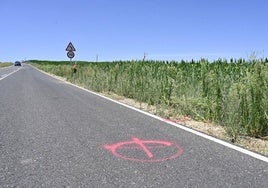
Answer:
(127, 29)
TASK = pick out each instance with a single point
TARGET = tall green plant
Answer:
(232, 94)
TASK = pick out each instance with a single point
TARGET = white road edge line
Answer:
(224, 143)
(6, 75)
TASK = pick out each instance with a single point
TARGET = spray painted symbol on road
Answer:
(145, 150)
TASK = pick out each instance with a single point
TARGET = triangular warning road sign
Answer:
(70, 47)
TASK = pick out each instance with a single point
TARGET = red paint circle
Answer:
(144, 145)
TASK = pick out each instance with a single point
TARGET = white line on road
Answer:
(224, 143)
(6, 75)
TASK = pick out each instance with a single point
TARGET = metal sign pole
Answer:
(70, 53)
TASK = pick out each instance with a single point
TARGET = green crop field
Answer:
(232, 94)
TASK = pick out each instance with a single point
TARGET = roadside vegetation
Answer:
(232, 94)
(4, 64)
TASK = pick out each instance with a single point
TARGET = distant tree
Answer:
(240, 60)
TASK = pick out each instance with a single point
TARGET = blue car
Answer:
(17, 63)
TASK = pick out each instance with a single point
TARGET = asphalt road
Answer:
(53, 134)
(6, 71)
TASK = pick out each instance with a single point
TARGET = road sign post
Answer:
(70, 54)
(70, 51)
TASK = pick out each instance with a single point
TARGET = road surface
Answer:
(53, 134)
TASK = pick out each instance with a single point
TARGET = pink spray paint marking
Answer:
(168, 120)
(155, 150)
(145, 149)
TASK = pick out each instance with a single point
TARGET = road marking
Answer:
(140, 143)
(145, 150)
(6, 75)
(224, 143)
